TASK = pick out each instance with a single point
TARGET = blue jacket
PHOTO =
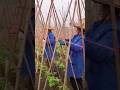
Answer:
(29, 52)
(101, 71)
(49, 48)
(76, 65)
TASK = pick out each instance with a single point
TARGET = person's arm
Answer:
(77, 46)
(64, 42)
(100, 50)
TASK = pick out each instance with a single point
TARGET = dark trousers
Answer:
(76, 83)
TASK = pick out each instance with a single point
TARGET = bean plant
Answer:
(53, 79)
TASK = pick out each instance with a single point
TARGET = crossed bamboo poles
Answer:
(58, 38)
(79, 14)
(44, 47)
(43, 50)
(18, 26)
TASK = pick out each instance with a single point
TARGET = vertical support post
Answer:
(115, 44)
(87, 13)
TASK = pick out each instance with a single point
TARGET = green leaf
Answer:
(53, 81)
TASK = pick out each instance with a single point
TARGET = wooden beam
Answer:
(115, 45)
(109, 2)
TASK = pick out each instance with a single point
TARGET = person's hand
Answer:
(62, 42)
(67, 43)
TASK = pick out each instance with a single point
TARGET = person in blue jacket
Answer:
(101, 71)
(28, 63)
(75, 68)
(49, 47)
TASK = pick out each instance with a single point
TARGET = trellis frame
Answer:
(60, 28)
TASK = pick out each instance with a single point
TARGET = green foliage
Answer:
(2, 84)
(5, 56)
(65, 88)
(38, 50)
(60, 64)
(60, 57)
(53, 81)
(3, 53)
(58, 49)
(44, 69)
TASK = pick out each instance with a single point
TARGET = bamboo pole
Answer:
(17, 29)
(51, 6)
(7, 63)
(56, 15)
(39, 7)
(41, 4)
(74, 10)
(39, 12)
(83, 43)
(49, 14)
(39, 81)
(65, 78)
